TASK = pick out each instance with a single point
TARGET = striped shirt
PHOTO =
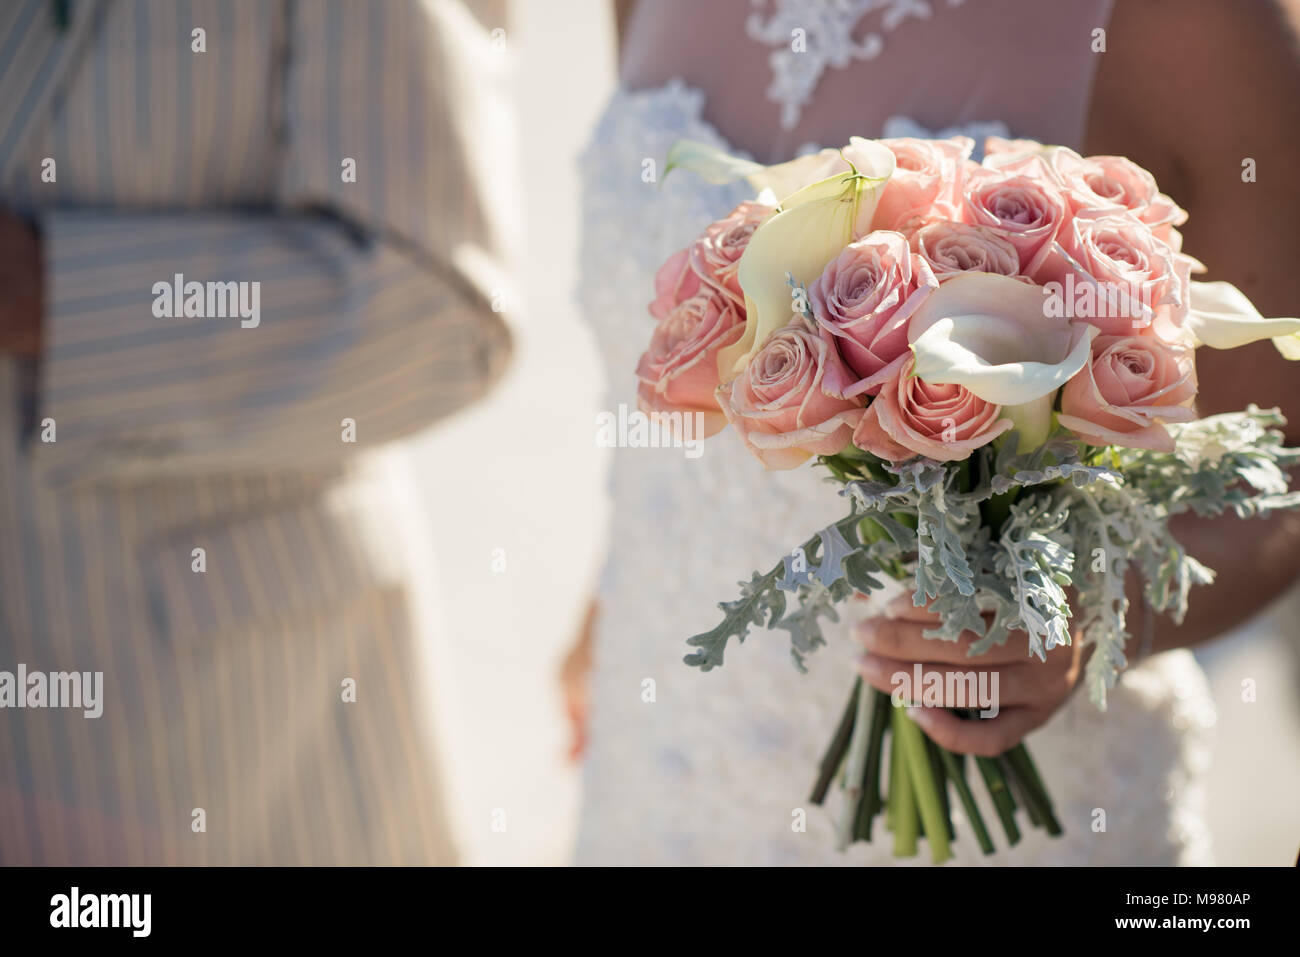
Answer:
(200, 529)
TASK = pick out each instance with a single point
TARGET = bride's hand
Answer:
(1028, 690)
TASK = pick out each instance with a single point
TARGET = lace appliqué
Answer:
(811, 35)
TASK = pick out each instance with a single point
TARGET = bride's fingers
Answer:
(901, 606)
(985, 737)
(899, 638)
(948, 686)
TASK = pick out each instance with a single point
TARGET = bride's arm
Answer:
(622, 16)
(1191, 89)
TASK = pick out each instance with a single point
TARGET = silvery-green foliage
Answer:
(760, 603)
(1212, 457)
(842, 553)
(992, 593)
(1233, 461)
(944, 519)
(1064, 520)
(995, 594)
(941, 554)
(816, 601)
(762, 599)
(834, 549)
(1057, 458)
(1021, 578)
(1101, 524)
(1036, 553)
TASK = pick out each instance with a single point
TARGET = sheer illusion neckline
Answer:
(690, 100)
(780, 74)
(808, 37)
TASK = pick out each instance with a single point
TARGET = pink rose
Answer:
(952, 248)
(715, 256)
(1099, 182)
(1028, 210)
(679, 370)
(713, 259)
(779, 403)
(1133, 385)
(1136, 272)
(928, 174)
(675, 282)
(862, 302)
(998, 145)
(919, 218)
(913, 417)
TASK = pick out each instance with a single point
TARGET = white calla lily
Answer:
(1289, 346)
(708, 162)
(1033, 421)
(824, 200)
(809, 229)
(1221, 317)
(781, 179)
(990, 335)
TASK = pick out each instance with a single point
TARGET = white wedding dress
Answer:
(692, 768)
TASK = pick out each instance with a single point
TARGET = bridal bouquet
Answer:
(995, 364)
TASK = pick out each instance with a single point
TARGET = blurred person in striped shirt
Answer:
(184, 503)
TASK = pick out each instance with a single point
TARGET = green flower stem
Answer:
(1002, 799)
(834, 755)
(998, 508)
(952, 764)
(1036, 799)
(895, 776)
(1016, 786)
(1030, 767)
(941, 780)
(925, 792)
(855, 764)
(871, 803)
(902, 803)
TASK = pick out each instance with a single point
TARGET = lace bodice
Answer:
(781, 73)
(691, 768)
(810, 36)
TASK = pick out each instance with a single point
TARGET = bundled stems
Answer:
(871, 804)
(922, 784)
(1003, 802)
(902, 802)
(855, 766)
(834, 755)
(895, 779)
(1023, 772)
(954, 764)
(917, 802)
(941, 782)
